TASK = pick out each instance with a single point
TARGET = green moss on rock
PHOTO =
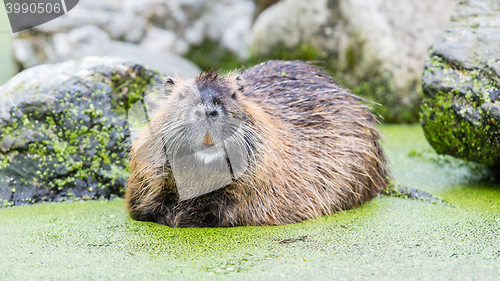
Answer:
(71, 142)
(449, 133)
(452, 112)
(460, 112)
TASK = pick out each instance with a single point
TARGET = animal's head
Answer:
(202, 130)
(206, 116)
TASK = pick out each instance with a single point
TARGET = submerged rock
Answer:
(63, 129)
(460, 111)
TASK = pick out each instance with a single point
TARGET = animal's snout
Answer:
(204, 113)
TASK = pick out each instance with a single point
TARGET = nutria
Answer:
(302, 147)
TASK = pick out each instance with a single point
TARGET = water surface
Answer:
(386, 239)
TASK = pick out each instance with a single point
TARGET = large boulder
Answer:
(460, 111)
(158, 26)
(89, 40)
(64, 131)
(377, 48)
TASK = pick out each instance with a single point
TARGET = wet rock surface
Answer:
(63, 129)
(460, 111)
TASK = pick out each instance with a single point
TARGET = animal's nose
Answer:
(212, 114)
(208, 114)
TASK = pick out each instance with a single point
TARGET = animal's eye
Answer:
(233, 96)
(168, 85)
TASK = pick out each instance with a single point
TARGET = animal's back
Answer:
(332, 146)
(286, 88)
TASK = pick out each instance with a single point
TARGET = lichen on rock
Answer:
(460, 111)
(67, 139)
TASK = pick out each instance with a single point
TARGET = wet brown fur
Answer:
(316, 152)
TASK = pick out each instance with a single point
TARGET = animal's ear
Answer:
(168, 85)
(239, 78)
(240, 81)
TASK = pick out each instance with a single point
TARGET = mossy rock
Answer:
(460, 111)
(68, 138)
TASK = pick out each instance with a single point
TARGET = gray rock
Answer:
(90, 40)
(461, 83)
(371, 44)
(161, 40)
(63, 129)
(148, 23)
(290, 23)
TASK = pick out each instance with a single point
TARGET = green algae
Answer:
(403, 238)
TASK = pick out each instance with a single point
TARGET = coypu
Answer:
(309, 147)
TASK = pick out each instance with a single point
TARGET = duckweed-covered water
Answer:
(387, 239)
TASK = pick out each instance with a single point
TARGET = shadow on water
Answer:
(468, 171)
(414, 163)
(480, 195)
